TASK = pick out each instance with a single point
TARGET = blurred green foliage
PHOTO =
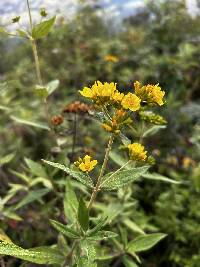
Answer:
(158, 44)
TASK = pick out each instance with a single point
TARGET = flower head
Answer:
(43, 12)
(111, 58)
(57, 120)
(131, 101)
(86, 164)
(152, 94)
(77, 107)
(100, 93)
(117, 97)
(137, 152)
(15, 19)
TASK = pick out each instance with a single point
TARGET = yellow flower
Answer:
(111, 58)
(188, 162)
(152, 94)
(137, 152)
(117, 97)
(86, 164)
(100, 93)
(155, 94)
(131, 101)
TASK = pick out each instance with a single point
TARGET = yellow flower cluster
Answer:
(152, 94)
(111, 58)
(137, 152)
(107, 93)
(86, 164)
(100, 93)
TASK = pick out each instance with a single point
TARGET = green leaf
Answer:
(22, 33)
(42, 29)
(133, 226)
(113, 210)
(11, 215)
(4, 237)
(47, 89)
(30, 123)
(6, 159)
(41, 91)
(70, 203)
(112, 181)
(128, 262)
(65, 230)
(83, 215)
(98, 227)
(52, 86)
(32, 196)
(102, 235)
(81, 177)
(36, 168)
(35, 255)
(153, 130)
(144, 242)
(159, 177)
(125, 140)
(43, 181)
(117, 158)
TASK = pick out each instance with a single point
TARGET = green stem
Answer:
(37, 63)
(70, 254)
(34, 46)
(97, 187)
(38, 69)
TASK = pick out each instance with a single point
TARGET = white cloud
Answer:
(192, 7)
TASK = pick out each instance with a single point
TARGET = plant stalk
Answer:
(97, 187)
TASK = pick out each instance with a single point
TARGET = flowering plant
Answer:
(94, 230)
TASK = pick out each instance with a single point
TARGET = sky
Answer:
(117, 9)
(111, 8)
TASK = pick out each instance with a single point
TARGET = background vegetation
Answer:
(158, 44)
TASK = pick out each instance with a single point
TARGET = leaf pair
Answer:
(79, 176)
(48, 89)
(110, 181)
(42, 29)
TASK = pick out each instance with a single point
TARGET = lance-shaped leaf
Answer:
(36, 168)
(32, 196)
(112, 181)
(102, 221)
(128, 262)
(65, 230)
(83, 215)
(42, 255)
(30, 123)
(159, 177)
(70, 203)
(81, 177)
(102, 235)
(144, 242)
(42, 29)
(52, 86)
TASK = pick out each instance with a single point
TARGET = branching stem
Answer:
(97, 187)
